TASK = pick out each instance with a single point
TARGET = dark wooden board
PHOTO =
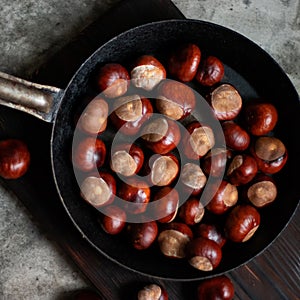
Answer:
(272, 275)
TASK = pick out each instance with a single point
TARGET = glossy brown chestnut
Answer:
(197, 140)
(216, 288)
(192, 179)
(191, 211)
(130, 113)
(98, 189)
(113, 219)
(236, 137)
(225, 101)
(270, 154)
(161, 135)
(161, 170)
(225, 197)
(89, 154)
(211, 232)
(175, 100)
(142, 235)
(184, 61)
(14, 158)
(127, 159)
(241, 223)
(113, 80)
(147, 72)
(153, 292)
(259, 117)
(166, 205)
(242, 169)
(215, 161)
(86, 295)
(172, 240)
(210, 71)
(203, 254)
(137, 193)
(261, 191)
(93, 119)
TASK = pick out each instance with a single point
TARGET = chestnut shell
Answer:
(184, 61)
(142, 235)
(241, 223)
(210, 71)
(216, 288)
(204, 254)
(259, 117)
(14, 158)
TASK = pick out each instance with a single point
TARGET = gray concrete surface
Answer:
(31, 266)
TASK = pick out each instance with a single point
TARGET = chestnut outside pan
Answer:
(248, 67)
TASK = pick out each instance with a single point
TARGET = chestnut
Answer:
(113, 219)
(191, 211)
(242, 169)
(166, 201)
(192, 179)
(259, 117)
(93, 119)
(270, 154)
(14, 158)
(210, 71)
(130, 113)
(211, 232)
(261, 191)
(153, 292)
(198, 140)
(127, 159)
(203, 254)
(175, 100)
(172, 240)
(98, 189)
(113, 80)
(236, 137)
(216, 288)
(241, 223)
(147, 72)
(183, 62)
(136, 193)
(215, 161)
(162, 169)
(161, 135)
(225, 101)
(142, 235)
(225, 197)
(89, 154)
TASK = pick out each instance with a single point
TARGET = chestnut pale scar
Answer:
(156, 130)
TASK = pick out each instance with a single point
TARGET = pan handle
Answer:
(41, 101)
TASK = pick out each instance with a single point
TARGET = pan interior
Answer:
(250, 69)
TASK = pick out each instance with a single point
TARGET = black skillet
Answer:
(249, 68)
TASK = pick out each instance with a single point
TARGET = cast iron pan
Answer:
(249, 68)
